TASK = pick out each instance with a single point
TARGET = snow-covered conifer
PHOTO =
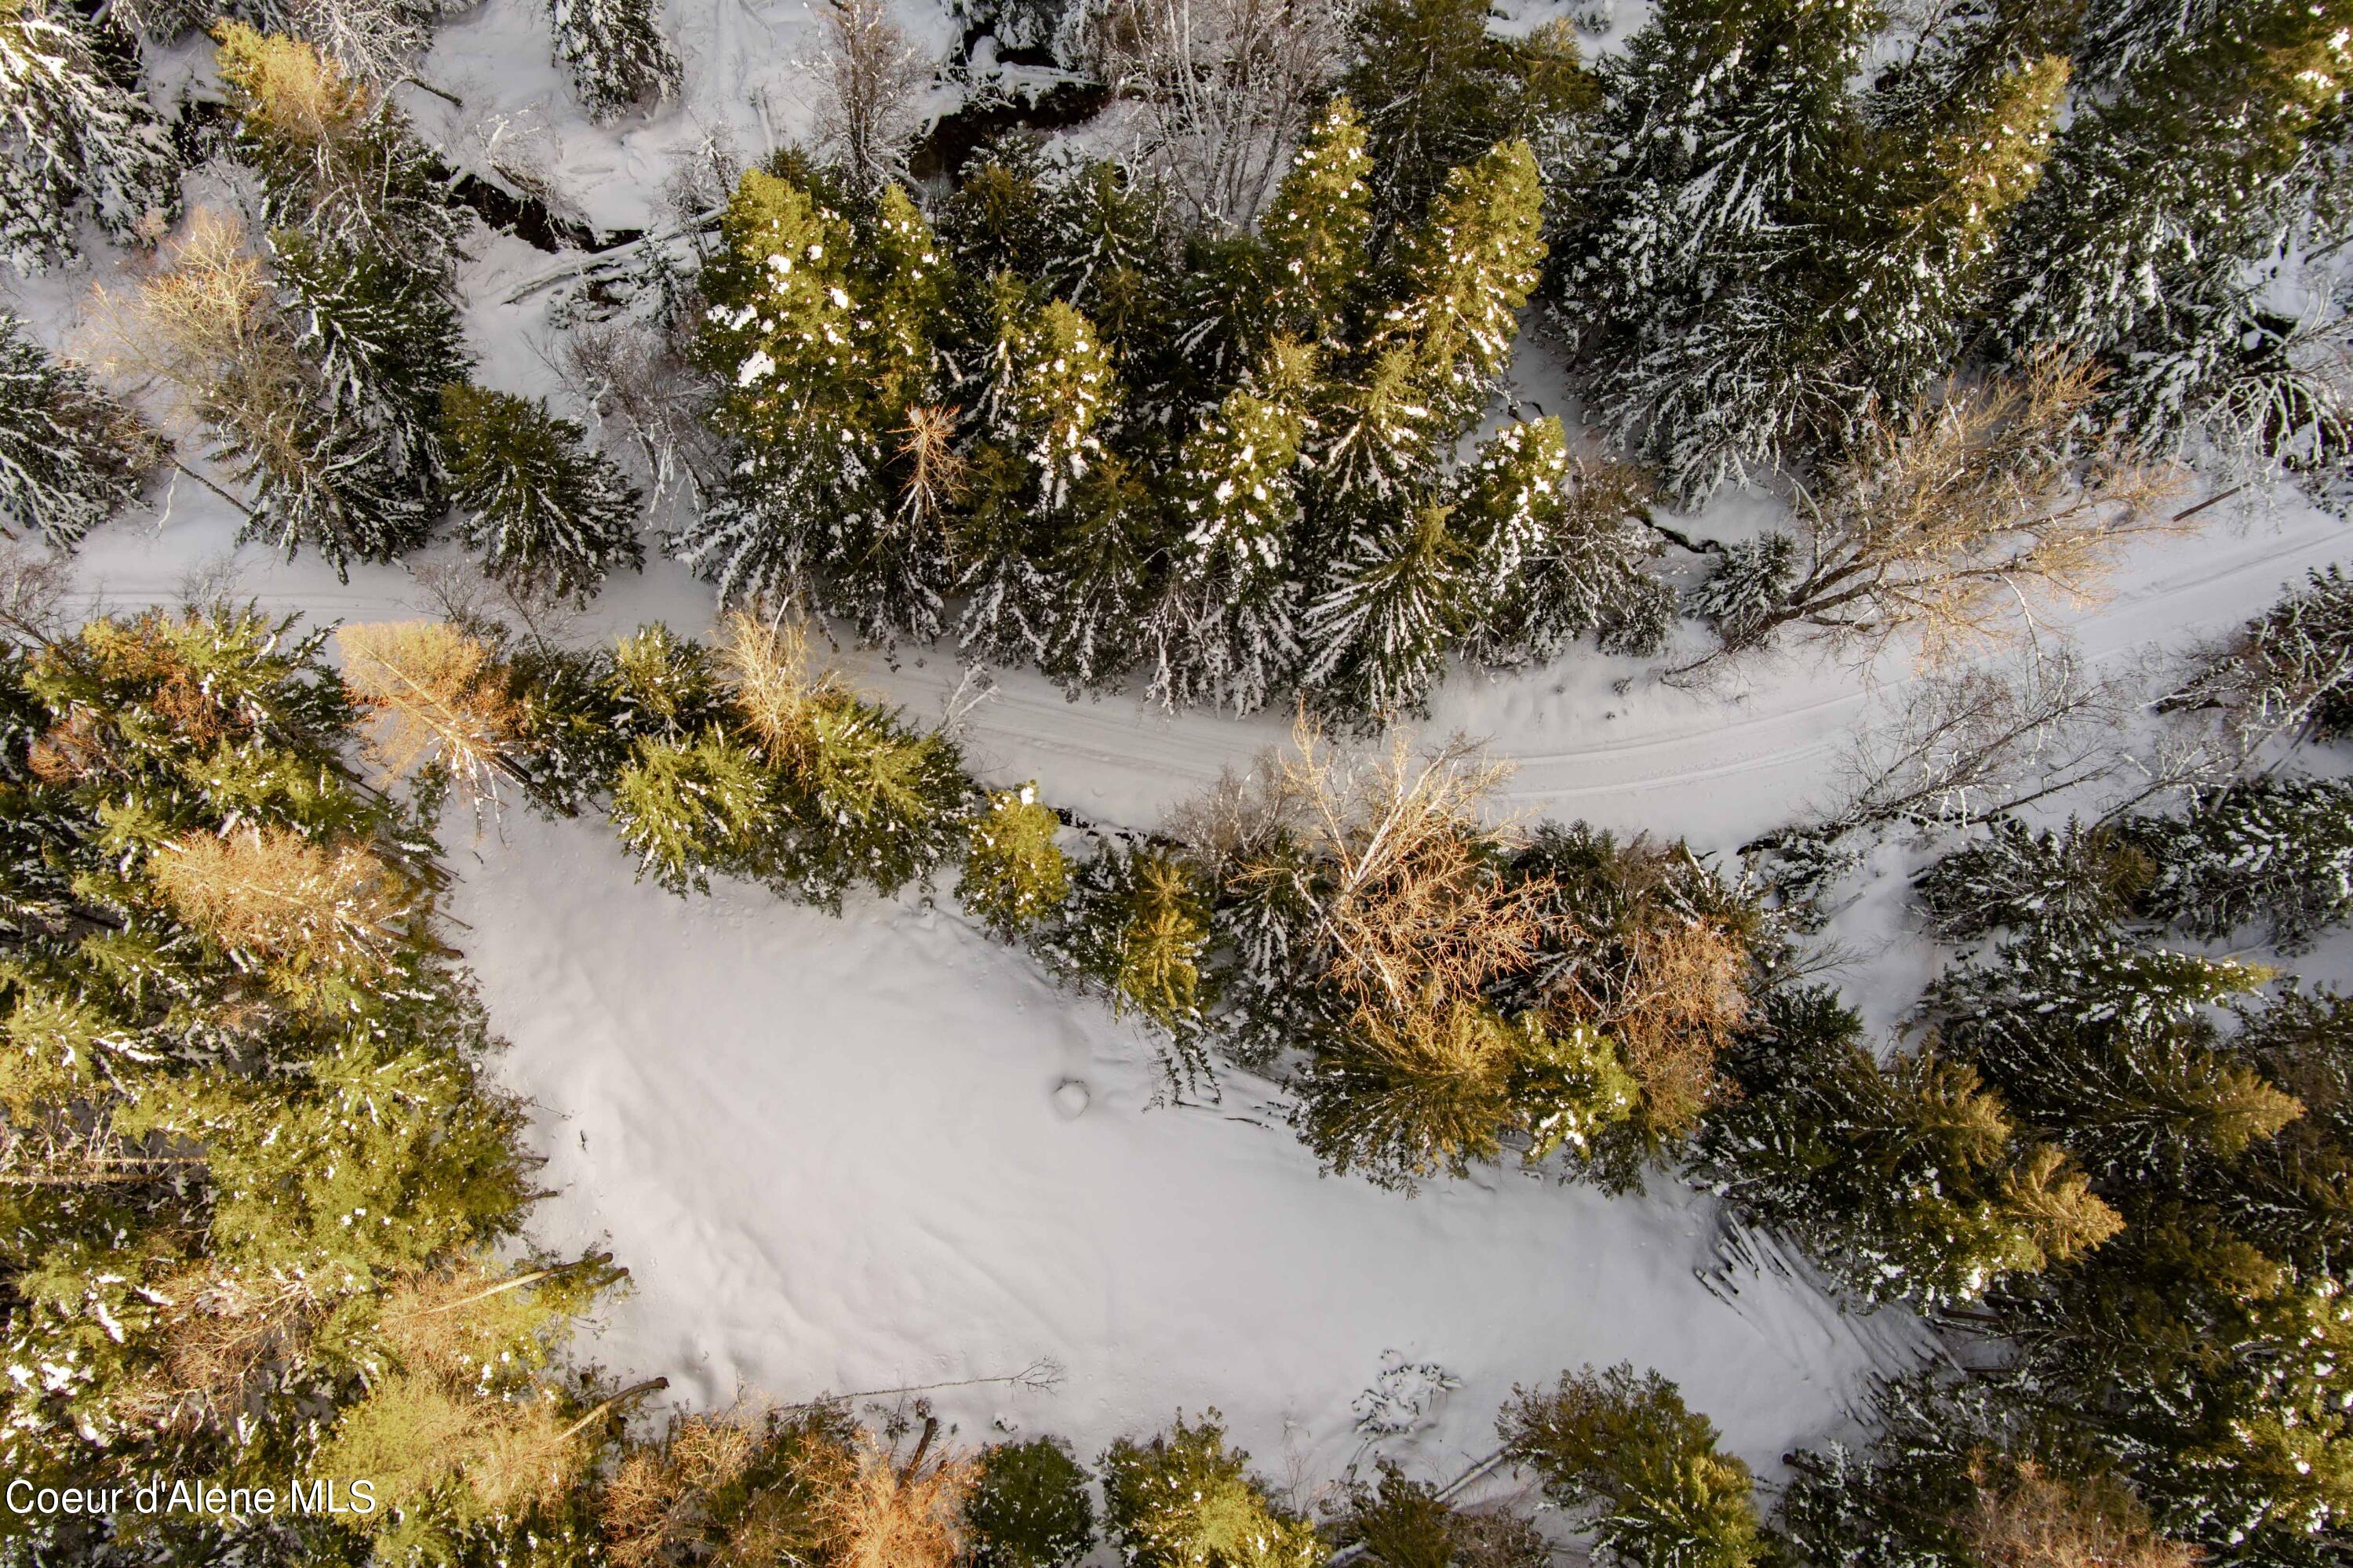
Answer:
(1100, 564)
(1555, 550)
(1378, 637)
(72, 141)
(1906, 1181)
(2276, 850)
(1137, 926)
(539, 505)
(1438, 88)
(1466, 273)
(1185, 1498)
(1317, 227)
(617, 53)
(2289, 669)
(1015, 875)
(2194, 164)
(71, 455)
(1223, 631)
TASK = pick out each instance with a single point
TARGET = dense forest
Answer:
(1985, 290)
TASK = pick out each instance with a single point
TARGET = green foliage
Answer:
(2277, 850)
(1658, 1491)
(1137, 926)
(1015, 875)
(1404, 1523)
(1184, 1499)
(71, 456)
(1906, 1181)
(1028, 1507)
(540, 508)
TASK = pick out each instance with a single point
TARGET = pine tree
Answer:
(1015, 875)
(1465, 274)
(1028, 1507)
(71, 456)
(1223, 631)
(1184, 1499)
(2277, 850)
(1381, 635)
(1101, 565)
(1906, 1181)
(1137, 925)
(2076, 883)
(72, 141)
(617, 54)
(1658, 1492)
(780, 337)
(2188, 167)
(1438, 88)
(688, 808)
(539, 505)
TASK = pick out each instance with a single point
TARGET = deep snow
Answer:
(841, 1154)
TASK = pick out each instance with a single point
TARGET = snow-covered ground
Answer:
(845, 1154)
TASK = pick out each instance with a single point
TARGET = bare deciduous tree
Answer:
(1989, 739)
(871, 78)
(1959, 518)
(1221, 89)
(636, 378)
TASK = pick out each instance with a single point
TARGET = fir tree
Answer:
(1028, 1507)
(1223, 631)
(2276, 849)
(1137, 925)
(1382, 633)
(1402, 1523)
(1317, 227)
(2289, 670)
(1184, 1499)
(616, 52)
(339, 162)
(1906, 1181)
(2076, 883)
(1015, 875)
(1101, 565)
(1555, 550)
(1406, 1099)
(1437, 89)
(539, 505)
(385, 340)
(71, 456)
(688, 808)
(1466, 274)
(2186, 168)
(1723, 121)
(1658, 1492)
(73, 141)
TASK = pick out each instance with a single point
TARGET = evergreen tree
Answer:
(2277, 850)
(1137, 926)
(1184, 1499)
(1723, 123)
(339, 162)
(1404, 1523)
(1028, 1507)
(1464, 277)
(71, 456)
(2076, 883)
(1015, 875)
(1380, 636)
(617, 53)
(385, 340)
(2290, 670)
(2107, 1048)
(1403, 1099)
(1318, 226)
(73, 141)
(1438, 88)
(1106, 250)
(1658, 1492)
(1555, 550)
(539, 505)
(1906, 1181)
(688, 808)
(1101, 565)
(2189, 165)
(1223, 631)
